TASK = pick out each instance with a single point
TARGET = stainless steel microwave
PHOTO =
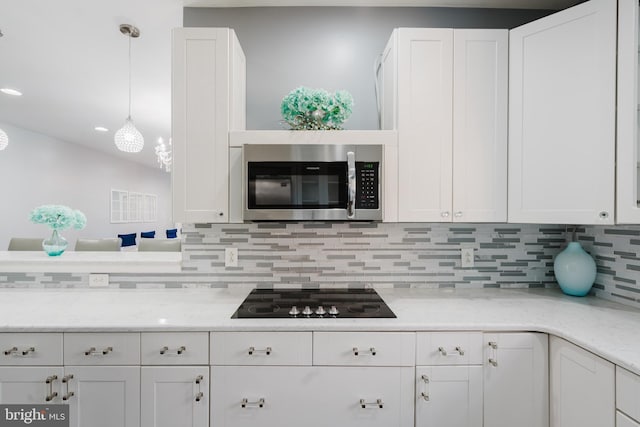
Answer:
(312, 182)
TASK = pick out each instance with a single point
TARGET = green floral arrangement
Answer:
(58, 217)
(316, 109)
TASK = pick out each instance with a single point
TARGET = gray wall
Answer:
(36, 169)
(328, 47)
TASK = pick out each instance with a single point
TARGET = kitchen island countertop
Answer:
(608, 329)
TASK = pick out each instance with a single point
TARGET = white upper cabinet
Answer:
(208, 100)
(627, 208)
(562, 113)
(445, 91)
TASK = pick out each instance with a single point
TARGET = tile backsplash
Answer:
(616, 250)
(356, 254)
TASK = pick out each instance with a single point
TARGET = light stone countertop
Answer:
(608, 329)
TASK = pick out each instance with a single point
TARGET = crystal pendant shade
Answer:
(4, 140)
(128, 138)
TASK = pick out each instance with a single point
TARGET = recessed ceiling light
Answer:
(101, 129)
(10, 91)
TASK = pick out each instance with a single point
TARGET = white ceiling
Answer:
(70, 61)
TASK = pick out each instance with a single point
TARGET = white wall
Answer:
(36, 169)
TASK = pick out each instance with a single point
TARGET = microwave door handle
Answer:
(351, 177)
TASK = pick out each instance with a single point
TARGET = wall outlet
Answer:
(98, 280)
(466, 255)
(231, 257)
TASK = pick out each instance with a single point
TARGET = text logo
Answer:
(34, 415)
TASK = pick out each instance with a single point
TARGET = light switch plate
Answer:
(98, 280)
(466, 255)
(231, 257)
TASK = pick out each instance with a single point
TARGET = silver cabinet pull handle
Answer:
(493, 361)
(457, 352)
(377, 404)
(28, 350)
(199, 393)
(425, 393)
(178, 351)
(11, 351)
(65, 381)
(93, 352)
(257, 404)
(14, 350)
(372, 351)
(458, 214)
(52, 394)
(253, 350)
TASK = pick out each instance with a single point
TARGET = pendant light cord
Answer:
(129, 76)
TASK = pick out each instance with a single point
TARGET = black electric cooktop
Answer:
(313, 303)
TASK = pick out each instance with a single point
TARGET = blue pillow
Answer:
(172, 233)
(128, 239)
(148, 234)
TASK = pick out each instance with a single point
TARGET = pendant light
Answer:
(128, 138)
(4, 140)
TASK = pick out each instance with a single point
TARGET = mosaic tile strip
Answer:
(616, 250)
(346, 254)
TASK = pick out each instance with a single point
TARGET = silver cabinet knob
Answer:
(458, 214)
(333, 311)
(320, 311)
(603, 215)
(445, 214)
(307, 311)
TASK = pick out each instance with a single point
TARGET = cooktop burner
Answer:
(313, 303)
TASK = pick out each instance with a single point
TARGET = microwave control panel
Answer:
(367, 185)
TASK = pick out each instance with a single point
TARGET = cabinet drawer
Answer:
(628, 393)
(449, 348)
(174, 348)
(30, 349)
(260, 348)
(364, 348)
(101, 349)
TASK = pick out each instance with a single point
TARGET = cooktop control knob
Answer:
(294, 311)
(333, 311)
(320, 311)
(307, 311)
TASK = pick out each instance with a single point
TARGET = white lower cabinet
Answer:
(314, 396)
(102, 396)
(448, 396)
(174, 396)
(36, 385)
(582, 387)
(516, 374)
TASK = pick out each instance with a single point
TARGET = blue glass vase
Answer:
(575, 270)
(55, 245)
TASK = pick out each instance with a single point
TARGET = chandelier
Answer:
(163, 152)
(128, 138)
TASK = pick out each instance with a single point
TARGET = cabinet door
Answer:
(313, 396)
(425, 74)
(480, 84)
(582, 387)
(30, 385)
(562, 94)
(103, 396)
(200, 124)
(174, 396)
(516, 391)
(627, 188)
(449, 396)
